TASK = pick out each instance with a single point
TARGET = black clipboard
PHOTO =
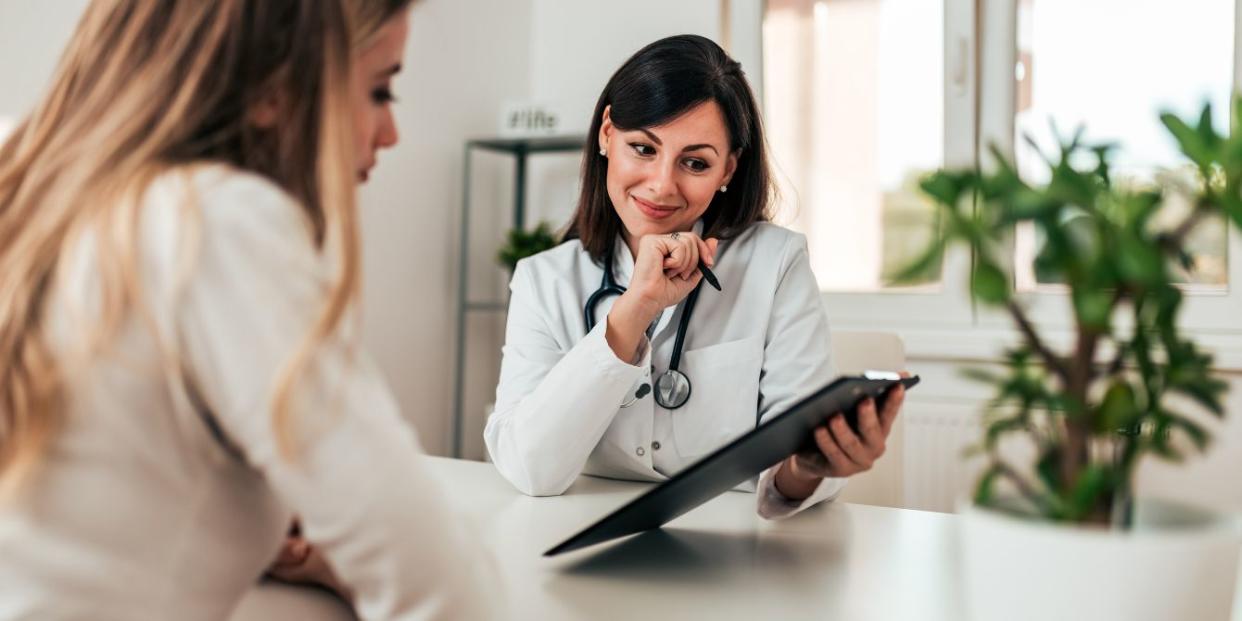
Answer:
(735, 462)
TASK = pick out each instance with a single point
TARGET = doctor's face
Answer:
(662, 179)
(372, 96)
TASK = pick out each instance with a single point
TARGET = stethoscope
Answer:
(672, 388)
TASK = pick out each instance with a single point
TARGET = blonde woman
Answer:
(178, 377)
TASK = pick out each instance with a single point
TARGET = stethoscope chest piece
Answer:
(672, 388)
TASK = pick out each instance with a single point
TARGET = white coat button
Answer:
(640, 451)
(655, 446)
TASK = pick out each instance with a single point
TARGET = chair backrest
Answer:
(853, 353)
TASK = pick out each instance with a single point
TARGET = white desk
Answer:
(720, 561)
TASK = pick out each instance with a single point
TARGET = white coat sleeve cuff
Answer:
(597, 341)
(773, 505)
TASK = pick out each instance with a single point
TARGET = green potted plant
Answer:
(1052, 531)
(520, 243)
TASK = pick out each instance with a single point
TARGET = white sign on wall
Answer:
(523, 119)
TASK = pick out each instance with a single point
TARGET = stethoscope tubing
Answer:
(608, 286)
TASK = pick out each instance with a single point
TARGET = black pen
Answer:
(709, 276)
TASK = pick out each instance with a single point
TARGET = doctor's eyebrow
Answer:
(694, 147)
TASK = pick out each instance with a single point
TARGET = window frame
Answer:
(1204, 312)
(946, 305)
(980, 42)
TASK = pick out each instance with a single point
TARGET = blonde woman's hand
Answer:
(299, 562)
(666, 270)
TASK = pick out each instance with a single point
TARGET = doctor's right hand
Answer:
(666, 270)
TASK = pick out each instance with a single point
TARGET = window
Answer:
(863, 96)
(1065, 79)
(854, 99)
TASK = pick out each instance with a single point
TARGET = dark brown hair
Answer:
(656, 85)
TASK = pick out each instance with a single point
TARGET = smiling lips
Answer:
(653, 210)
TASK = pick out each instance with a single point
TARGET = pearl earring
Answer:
(724, 188)
(603, 152)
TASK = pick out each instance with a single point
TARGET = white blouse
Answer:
(163, 496)
(750, 351)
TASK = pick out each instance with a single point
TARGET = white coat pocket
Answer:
(724, 399)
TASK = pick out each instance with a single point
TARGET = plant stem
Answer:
(1075, 456)
(1202, 209)
(1023, 486)
(1054, 363)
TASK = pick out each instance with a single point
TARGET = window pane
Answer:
(1112, 66)
(854, 102)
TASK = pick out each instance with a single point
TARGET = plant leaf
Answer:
(990, 284)
(984, 490)
(1047, 467)
(926, 262)
(1119, 409)
(1188, 139)
(1093, 307)
(946, 187)
(1093, 483)
(1000, 427)
(1197, 434)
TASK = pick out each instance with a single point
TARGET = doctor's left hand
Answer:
(842, 452)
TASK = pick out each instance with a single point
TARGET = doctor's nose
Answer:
(661, 181)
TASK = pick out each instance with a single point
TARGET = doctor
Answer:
(618, 360)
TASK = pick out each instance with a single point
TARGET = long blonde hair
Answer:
(145, 86)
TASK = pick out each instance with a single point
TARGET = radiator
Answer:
(936, 474)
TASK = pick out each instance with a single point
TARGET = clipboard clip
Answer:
(882, 375)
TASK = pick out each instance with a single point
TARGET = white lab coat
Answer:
(750, 351)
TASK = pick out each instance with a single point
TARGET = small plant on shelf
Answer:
(521, 244)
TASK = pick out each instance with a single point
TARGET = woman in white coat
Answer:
(676, 171)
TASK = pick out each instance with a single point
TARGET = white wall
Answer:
(32, 36)
(576, 45)
(463, 59)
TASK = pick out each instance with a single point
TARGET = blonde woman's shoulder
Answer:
(212, 213)
(225, 195)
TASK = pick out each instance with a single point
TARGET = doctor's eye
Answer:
(696, 165)
(643, 150)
